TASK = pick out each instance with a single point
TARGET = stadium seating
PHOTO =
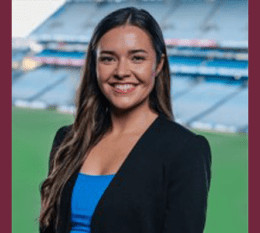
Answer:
(200, 98)
(229, 21)
(208, 77)
(238, 117)
(62, 94)
(32, 84)
(186, 19)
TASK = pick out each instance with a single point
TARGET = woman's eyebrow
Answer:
(129, 52)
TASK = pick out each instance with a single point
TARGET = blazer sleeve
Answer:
(188, 188)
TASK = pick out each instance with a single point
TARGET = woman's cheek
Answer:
(104, 72)
(147, 70)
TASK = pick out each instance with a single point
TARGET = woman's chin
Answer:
(123, 107)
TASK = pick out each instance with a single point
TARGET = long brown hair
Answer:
(92, 117)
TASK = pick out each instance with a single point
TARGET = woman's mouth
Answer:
(124, 88)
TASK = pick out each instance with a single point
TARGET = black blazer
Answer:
(162, 186)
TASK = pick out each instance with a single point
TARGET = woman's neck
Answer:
(133, 121)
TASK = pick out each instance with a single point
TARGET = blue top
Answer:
(86, 193)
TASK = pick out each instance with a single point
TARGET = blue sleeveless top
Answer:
(86, 193)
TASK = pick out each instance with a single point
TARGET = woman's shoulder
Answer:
(63, 130)
(178, 138)
(175, 131)
(60, 134)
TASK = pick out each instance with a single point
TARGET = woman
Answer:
(125, 165)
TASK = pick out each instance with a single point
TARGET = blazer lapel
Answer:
(126, 169)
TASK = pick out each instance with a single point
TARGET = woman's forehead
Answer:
(125, 38)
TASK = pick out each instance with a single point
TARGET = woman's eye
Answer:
(106, 59)
(138, 58)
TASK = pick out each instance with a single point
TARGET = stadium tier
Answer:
(221, 117)
(195, 102)
(186, 19)
(17, 56)
(229, 23)
(16, 74)
(35, 84)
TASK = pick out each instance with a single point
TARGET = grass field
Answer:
(32, 135)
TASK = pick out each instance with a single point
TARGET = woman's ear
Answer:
(160, 65)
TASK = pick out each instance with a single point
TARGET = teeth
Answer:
(124, 87)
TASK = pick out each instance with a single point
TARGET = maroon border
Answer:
(254, 116)
(6, 117)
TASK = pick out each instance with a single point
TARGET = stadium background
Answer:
(208, 46)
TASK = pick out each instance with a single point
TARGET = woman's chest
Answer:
(139, 181)
(108, 155)
(136, 192)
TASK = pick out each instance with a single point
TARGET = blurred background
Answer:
(207, 44)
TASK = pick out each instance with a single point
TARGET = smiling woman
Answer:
(126, 65)
(125, 165)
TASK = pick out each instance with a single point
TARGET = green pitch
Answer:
(32, 135)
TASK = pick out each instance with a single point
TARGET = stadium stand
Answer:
(32, 84)
(16, 74)
(229, 23)
(207, 48)
(200, 98)
(222, 117)
(62, 94)
(186, 19)
(17, 56)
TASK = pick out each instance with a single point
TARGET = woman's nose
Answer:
(122, 68)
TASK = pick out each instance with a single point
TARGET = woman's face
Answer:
(126, 66)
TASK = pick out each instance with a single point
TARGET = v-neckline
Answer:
(117, 175)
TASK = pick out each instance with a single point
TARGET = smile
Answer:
(124, 89)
